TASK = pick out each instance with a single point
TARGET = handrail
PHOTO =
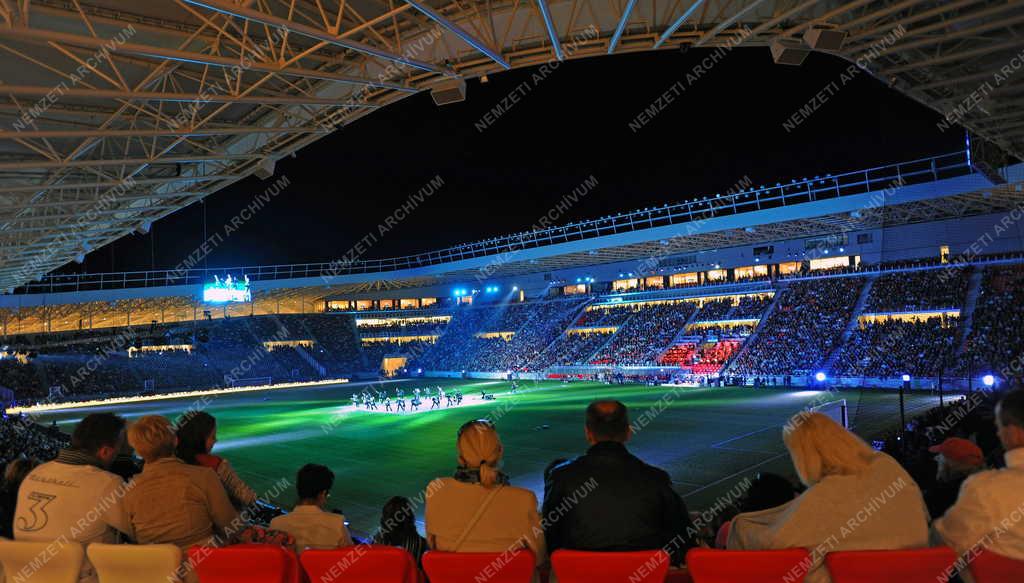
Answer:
(763, 197)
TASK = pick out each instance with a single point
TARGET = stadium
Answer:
(811, 375)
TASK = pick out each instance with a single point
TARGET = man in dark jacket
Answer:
(610, 500)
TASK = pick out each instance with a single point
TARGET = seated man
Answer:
(311, 526)
(610, 500)
(983, 516)
(74, 496)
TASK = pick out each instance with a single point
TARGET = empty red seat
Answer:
(988, 567)
(515, 566)
(611, 567)
(931, 565)
(244, 564)
(360, 564)
(715, 566)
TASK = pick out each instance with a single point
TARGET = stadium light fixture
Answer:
(988, 380)
(820, 376)
(906, 378)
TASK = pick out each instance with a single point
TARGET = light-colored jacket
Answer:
(989, 513)
(511, 518)
(172, 502)
(879, 509)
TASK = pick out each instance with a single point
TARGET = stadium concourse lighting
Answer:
(906, 378)
(820, 377)
(988, 380)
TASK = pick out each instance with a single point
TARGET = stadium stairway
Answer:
(858, 309)
(576, 316)
(306, 356)
(679, 334)
(590, 358)
(967, 315)
(779, 292)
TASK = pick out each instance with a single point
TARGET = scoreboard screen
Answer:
(227, 290)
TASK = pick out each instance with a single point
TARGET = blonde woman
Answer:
(171, 501)
(856, 499)
(477, 510)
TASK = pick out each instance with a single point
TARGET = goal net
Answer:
(837, 410)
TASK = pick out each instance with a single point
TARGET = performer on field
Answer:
(387, 404)
(401, 405)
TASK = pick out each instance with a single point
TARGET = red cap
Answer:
(960, 450)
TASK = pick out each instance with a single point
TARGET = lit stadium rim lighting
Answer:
(820, 377)
(906, 378)
(989, 380)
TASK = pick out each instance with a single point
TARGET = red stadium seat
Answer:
(611, 567)
(989, 567)
(360, 564)
(509, 567)
(714, 566)
(930, 565)
(248, 563)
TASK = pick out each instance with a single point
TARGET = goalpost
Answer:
(837, 410)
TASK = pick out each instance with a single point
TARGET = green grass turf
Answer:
(707, 439)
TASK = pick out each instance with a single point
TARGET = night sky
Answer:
(570, 125)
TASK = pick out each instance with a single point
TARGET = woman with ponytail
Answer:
(476, 510)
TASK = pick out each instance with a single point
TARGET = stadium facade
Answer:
(934, 213)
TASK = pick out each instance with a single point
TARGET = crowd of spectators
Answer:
(606, 499)
(504, 338)
(996, 339)
(570, 349)
(802, 331)
(910, 291)
(892, 347)
(649, 331)
(402, 327)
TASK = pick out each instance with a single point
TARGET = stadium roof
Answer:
(121, 113)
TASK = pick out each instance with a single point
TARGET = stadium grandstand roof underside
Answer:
(117, 114)
(921, 191)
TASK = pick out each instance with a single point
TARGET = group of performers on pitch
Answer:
(371, 400)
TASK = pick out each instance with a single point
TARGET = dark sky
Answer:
(572, 124)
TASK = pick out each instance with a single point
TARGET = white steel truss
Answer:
(122, 112)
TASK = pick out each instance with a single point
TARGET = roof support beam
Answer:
(457, 31)
(955, 56)
(116, 183)
(550, 25)
(621, 27)
(149, 133)
(41, 164)
(41, 91)
(679, 22)
(727, 23)
(165, 54)
(311, 32)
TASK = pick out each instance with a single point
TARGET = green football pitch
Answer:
(708, 439)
